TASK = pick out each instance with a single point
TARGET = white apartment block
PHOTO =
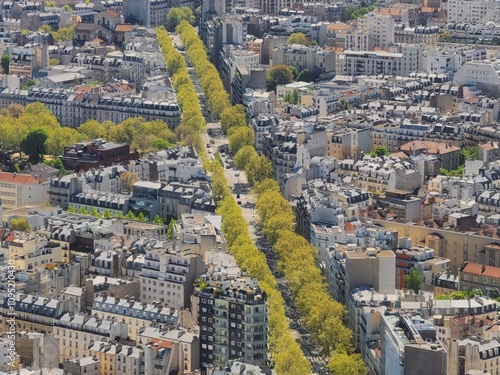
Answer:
(380, 30)
(357, 40)
(167, 276)
(303, 57)
(471, 11)
(450, 60)
(19, 190)
(380, 62)
(476, 72)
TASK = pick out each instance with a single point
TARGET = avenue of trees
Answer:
(285, 352)
(324, 316)
(192, 120)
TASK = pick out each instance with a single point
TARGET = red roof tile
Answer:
(18, 178)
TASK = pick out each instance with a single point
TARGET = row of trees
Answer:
(284, 350)
(192, 121)
(257, 167)
(232, 118)
(323, 315)
(218, 98)
(35, 131)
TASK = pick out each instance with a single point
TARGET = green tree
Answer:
(413, 280)
(176, 15)
(67, 8)
(279, 75)
(232, 116)
(45, 29)
(130, 215)
(141, 217)
(82, 210)
(20, 224)
(53, 62)
(243, 156)
(33, 145)
(92, 130)
(258, 168)
(469, 153)
(380, 151)
(307, 76)
(157, 220)
(298, 38)
(161, 144)
(94, 212)
(5, 63)
(107, 214)
(28, 83)
(171, 229)
(71, 209)
(292, 97)
(64, 34)
(355, 12)
(240, 137)
(342, 363)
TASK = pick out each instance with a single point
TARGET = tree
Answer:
(307, 76)
(258, 169)
(83, 211)
(232, 116)
(413, 280)
(71, 209)
(45, 29)
(157, 220)
(292, 97)
(28, 83)
(380, 151)
(127, 181)
(67, 8)
(33, 145)
(279, 75)
(5, 63)
(240, 137)
(53, 62)
(171, 229)
(141, 217)
(243, 156)
(107, 214)
(265, 185)
(298, 38)
(342, 363)
(92, 130)
(176, 15)
(13, 110)
(94, 212)
(20, 224)
(161, 144)
(64, 34)
(130, 215)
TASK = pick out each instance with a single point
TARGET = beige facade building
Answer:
(456, 246)
(19, 190)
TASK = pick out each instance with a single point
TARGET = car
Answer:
(237, 196)
(228, 167)
(208, 145)
(239, 203)
(237, 174)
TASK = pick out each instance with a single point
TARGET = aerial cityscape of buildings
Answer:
(378, 122)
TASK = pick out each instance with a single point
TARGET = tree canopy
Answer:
(279, 75)
(298, 38)
(413, 280)
(33, 145)
(20, 224)
(176, 15)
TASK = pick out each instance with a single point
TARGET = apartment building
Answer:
(168, 275)
(135, 314)
(82, 366)
(474, 276)
(471, 11)
(489, 151)
(150, 13)
(30, 252)
(301, 57)
(35, 313)
(25, 61)
(483, 74)
(74, 108)
(19, 190)
(349, 143)
(384, 173)
(74, 330)
(232, 314)
(348, 268)
(379, 28)
(472, 353)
